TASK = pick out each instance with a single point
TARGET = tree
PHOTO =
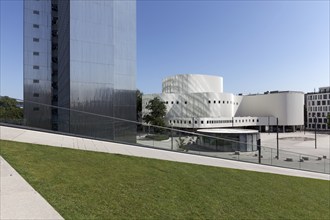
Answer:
(9, 109)
(139, 95)
(157, 112)
(328, 120)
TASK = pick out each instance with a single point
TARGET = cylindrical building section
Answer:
(192, 83)
(287, 106)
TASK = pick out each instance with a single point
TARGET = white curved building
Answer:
(189, 83)
(198, 101)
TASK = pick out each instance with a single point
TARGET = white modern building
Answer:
(318, 107)
(197, 101)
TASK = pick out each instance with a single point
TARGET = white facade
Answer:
(198, 101)
(192, 83)
(318, 107)
(286, 106)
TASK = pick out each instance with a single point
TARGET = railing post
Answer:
(172, 138)
(259, 150)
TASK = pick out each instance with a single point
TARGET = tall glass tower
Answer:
(80, 55)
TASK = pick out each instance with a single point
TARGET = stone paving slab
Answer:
(300, 142)
(18, 200)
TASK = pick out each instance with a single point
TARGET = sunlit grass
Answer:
(86, 185)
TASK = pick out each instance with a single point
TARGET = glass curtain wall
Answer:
(86, 61)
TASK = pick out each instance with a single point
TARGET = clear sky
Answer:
(255, 45)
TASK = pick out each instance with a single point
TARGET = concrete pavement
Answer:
(299, 142)
(18, 200)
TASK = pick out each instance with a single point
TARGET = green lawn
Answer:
(91, 185)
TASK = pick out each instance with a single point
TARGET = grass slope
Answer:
(91, 185)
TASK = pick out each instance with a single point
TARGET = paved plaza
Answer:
(297, 146)
(300, 142)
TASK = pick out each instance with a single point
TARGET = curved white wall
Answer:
(288, 107)
(198, 104)
(198, 101)
(192, 83)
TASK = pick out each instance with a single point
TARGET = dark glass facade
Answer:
(89, 54)
(37, 63)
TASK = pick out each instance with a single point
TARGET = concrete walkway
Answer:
(18, 200)
(29, 136)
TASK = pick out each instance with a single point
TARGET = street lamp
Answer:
(277, 157)
(171, 135)
(193, 124)
(315, 132)
(268, 126)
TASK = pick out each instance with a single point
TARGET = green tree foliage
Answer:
(157, 112)
(9, 109)
(139, 95)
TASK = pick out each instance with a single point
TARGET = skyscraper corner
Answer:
(80, 67)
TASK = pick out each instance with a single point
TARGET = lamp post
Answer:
(193, 124)
(268, 126)
(277, 148)
(259, 150)
(315, 132)
(171, 136)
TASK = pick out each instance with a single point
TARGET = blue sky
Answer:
(255, 45)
